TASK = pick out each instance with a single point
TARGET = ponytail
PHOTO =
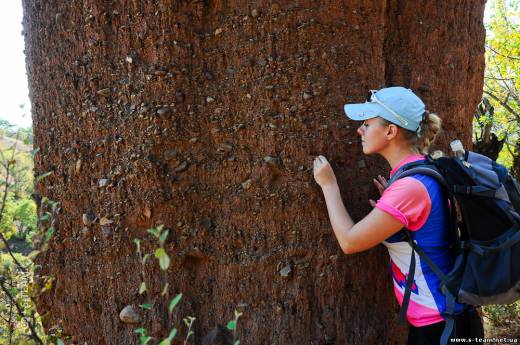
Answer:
(429, 128)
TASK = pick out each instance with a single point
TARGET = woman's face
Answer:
(373, 135)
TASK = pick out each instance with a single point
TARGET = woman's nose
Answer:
(360, 130)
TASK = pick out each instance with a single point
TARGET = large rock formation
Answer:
(205, 116)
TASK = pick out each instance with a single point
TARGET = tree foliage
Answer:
(498, 117)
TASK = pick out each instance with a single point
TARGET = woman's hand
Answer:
(323, 173)
(381, 184)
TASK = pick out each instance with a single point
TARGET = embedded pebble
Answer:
(273, 160)
(210, 99)
(179, 96)
(207, 223)
(105, 221)
(104, 92)
(107, 232)
(78, 166)
(147, 212)
(284, 272)
(129, 315)
(170, 154)
(307, 96)
(247, 184)
(181, 167)
(225, 148)
(262, 62)
(88, 218)
(103, 182)
(163, 111)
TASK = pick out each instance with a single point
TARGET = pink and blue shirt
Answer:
(417, 202)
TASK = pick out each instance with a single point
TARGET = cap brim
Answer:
(363, 111)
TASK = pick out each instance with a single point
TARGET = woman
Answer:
(397, 126)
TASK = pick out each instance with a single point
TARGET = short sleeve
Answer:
(408, 201)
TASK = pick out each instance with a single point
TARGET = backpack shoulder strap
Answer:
(449, 313)
(422, 168)
(429, 168)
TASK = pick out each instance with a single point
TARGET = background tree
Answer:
(19, 322)
(498, 116)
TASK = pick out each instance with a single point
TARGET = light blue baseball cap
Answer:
(396, 104)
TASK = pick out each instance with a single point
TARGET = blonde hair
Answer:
(430, 126)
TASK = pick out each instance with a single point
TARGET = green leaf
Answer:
(32, 255)
(140, 330)
(164, 259)
(60, 342)
(42, 176)
(159, 253)
(172, 334)
(13, 291)
(165, 290)
(142, 288)
(164, 262)
(167, 341)
(54, 204)
(46, 216)
(146, 306)
(143, 338)
(237, 342)
(34, 152)
(48, 284)
(163, 236)
(145, 257)
(138, 244)
(174, 302)
(49, 234)
(232, 325)
(155, 232)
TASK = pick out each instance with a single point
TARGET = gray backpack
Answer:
(485, 244)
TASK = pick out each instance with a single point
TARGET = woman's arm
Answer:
(352, 237)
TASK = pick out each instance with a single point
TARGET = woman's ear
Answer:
(391, 132)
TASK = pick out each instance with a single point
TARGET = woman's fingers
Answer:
(379, 186)
(323, 173)
(383, 181)
(320, 161)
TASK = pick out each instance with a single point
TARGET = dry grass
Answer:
(508, 330)
(7, 143)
